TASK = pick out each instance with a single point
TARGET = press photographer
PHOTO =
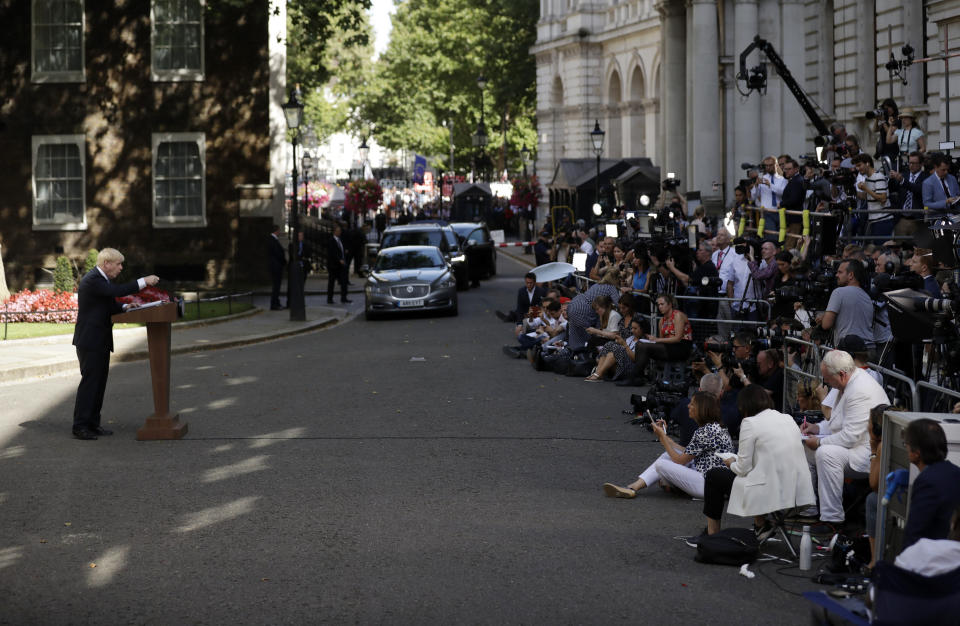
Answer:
(850, 308)
(702, 281)
(873, 190)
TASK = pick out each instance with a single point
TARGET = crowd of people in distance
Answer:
(734, 314)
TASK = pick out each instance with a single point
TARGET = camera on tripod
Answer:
(671, 182)
(658, 403)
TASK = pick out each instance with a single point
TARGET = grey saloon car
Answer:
(410, 278)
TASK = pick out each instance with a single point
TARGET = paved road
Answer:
(400, 471)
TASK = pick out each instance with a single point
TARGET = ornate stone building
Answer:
(661, 78)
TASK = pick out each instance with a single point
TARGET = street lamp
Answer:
(480, 138)
(525, 157)
(364, 153)
(293, 111)
(596, 136)
(307, 162)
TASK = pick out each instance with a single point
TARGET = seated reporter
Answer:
(769, 472)
(675, 340)
(618, 356)
(680, 467)
(843, 447)
(936, 490)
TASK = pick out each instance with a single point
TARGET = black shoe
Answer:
(503, 316)
(345, 301)
(513, 352)
(103, 432)
(694, 540)
(83, 433)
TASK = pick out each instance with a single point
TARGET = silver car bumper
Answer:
(437, 300)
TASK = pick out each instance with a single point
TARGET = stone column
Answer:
(705, 99)
(746, 112)
(913, 35)
(673, 87)
(794, 119)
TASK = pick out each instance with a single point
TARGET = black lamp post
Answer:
(525, 157)
(480, 138)
(293, 111)
(596, 135)
(307, 162)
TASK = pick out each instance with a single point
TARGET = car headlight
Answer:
(376, 289)
(446, 281)
(458, 259)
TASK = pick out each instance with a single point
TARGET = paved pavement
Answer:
(397, 471)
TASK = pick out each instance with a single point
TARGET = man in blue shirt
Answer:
(940, 190)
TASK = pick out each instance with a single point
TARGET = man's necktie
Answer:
(908, 200)
(720, 258)
(946, 192)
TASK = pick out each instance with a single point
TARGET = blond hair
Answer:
(111, 255)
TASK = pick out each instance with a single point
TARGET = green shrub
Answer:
(63, 280)
(91, 261)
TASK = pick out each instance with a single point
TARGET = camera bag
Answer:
(728, 546)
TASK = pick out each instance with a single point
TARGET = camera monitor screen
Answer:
(580, 261)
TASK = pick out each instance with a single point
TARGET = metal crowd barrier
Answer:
(938, 391)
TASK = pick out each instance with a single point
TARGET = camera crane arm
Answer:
(755, 83)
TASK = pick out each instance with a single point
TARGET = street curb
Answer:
(37, 371)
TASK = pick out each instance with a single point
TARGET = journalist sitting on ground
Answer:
(843, 447)
(680, 414)
(768, 474)
(580, 314)
(675, 340)
(684, 467)
(618, 355)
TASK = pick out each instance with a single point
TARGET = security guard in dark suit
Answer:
(93, 337)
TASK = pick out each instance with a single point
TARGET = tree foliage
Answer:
(428, 75)
(318, 33)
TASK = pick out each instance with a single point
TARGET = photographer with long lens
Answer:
(850, 308)
(767, 191)
(738, 280)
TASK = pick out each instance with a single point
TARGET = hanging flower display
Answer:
(526, 192)
(314, 196)
(362, 196)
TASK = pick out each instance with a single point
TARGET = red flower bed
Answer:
(147, 294)
(47, 306)
(41, 306)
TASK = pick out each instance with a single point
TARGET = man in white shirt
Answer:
(737, 281)
(767, 191)
(873, 189)
(843, 445)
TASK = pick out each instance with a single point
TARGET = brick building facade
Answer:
(153, 127)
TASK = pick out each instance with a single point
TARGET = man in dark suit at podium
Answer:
(93, 337)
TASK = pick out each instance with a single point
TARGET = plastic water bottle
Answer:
(806, 550)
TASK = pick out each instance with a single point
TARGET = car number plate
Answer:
(405, 303)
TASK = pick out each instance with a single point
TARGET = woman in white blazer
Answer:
(770, 471)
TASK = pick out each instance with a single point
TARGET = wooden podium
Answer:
(160, 425)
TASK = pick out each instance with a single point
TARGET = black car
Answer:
(432, 234)
(479, 248)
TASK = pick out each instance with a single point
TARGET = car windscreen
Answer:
(412, 238)
(408, 260)
(472, 232)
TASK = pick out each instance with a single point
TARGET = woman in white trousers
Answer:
(680, 467)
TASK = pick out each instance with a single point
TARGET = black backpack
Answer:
(728, 546)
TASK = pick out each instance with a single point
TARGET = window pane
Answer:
(58, 179)
(177, 29)
(179, 182)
